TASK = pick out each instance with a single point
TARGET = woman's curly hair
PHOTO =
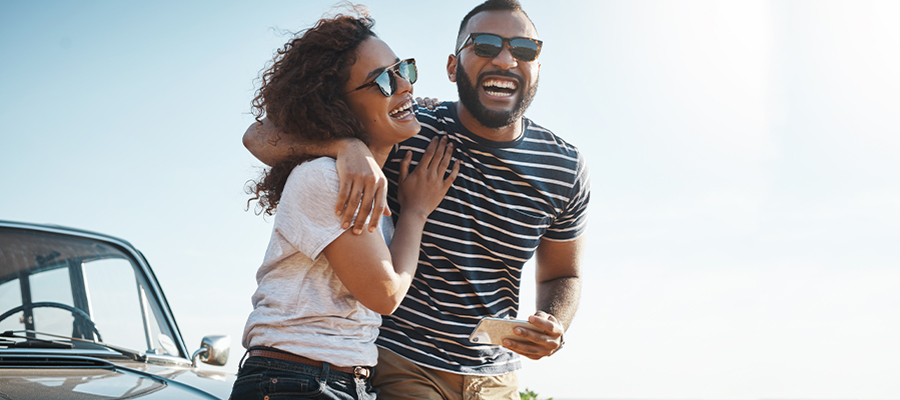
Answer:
(302, 94)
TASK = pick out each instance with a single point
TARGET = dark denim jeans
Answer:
(261, 378)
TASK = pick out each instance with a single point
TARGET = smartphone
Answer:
(494, 330)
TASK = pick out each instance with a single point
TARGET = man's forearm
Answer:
(559, 297)
(270, 146)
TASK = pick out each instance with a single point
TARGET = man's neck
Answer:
(504, 134)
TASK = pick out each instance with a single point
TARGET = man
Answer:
(521, 192)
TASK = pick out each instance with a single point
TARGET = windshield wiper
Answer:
(54, 344)
(32, 342)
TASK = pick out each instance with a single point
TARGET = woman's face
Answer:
(388, 120)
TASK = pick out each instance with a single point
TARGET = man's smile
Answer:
(499, 87)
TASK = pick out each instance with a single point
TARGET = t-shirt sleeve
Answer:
(305, 215)
(573, 220)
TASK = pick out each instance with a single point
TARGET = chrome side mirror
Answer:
(213, 350)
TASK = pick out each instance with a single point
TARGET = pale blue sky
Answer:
(744, 157)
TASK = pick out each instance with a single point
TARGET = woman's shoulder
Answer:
(316, 172)
(321, 166)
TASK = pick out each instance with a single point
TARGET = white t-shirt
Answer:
(300, 305)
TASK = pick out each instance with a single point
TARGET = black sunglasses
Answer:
(386, 81)
(489, 45)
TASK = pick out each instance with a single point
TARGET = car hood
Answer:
(120, 380)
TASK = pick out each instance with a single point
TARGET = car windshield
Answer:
(79, 287)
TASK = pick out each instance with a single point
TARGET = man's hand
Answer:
(363, 185)
(537, 344)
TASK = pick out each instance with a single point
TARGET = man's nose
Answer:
(504, 59)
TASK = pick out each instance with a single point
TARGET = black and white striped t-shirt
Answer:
(507, 198)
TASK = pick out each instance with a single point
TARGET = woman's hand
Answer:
(379, 276)
(422, 190)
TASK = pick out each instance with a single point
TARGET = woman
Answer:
(321, 288)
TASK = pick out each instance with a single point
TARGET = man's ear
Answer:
(451, 67)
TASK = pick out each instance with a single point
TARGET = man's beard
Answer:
(468, 96)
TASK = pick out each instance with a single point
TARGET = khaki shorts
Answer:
(400, 379)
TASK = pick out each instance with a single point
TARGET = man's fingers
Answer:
(365, 207)
(428, 102)
(343, 197)
(539, 342)
(379, 209)
(540, 338)
(352, 204)
(526, 349)
(546, 322)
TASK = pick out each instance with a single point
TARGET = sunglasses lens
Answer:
(408, 71)
(523, 49)
(487, 45)
(490, 45)
(385, 82)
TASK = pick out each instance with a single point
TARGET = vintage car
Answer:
(83, 317)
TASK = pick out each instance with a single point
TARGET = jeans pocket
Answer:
(295, 386)
(247, 387)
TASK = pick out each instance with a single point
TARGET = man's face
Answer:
(496, 90)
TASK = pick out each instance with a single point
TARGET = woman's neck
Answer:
(380, 154)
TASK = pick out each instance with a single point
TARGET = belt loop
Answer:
(326, 370)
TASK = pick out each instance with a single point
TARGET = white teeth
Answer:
(405, 107)
(498, 94)
(500, 84)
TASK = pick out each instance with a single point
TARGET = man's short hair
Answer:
(490, 5)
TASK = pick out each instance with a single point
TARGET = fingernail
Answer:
(519, 331)
(357, 231)
(345, 225)
(339, 213)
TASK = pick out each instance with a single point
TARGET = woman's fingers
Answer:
(447, 156)
(434, 152)
(404, 165)
(452, 177)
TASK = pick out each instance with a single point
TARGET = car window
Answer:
(115, 302)
(52, 286)
(11, 296)
(81, 288)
